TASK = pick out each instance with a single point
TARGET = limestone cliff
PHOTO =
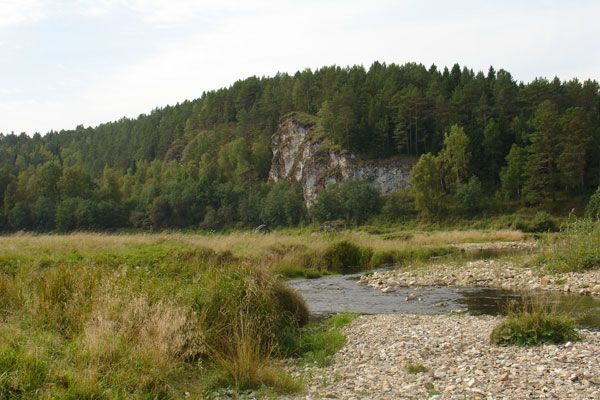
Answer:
(302, 154)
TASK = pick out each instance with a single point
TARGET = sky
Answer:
(65, 63)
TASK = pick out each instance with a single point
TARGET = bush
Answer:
(283, 205)
(533, 326)
(593, 207)
(353, 201)
(398, 206)
(469, 195)
(19, 217)
(345, 255)
(541, 222)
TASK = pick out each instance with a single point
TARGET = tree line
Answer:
(204, 163)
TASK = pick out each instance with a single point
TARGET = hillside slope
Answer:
(206, 162)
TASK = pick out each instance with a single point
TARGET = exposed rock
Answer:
(489, 273)
(304, 155)
(262, 229)
(464, 363)
(332, 226)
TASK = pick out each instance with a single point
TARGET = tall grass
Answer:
(534, 323)
(133, 324)
(154, 316)
(577, 248)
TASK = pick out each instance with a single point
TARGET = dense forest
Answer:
(204, 163)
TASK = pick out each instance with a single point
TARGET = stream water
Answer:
(342, 293)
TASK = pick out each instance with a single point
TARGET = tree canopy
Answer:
(205, 162)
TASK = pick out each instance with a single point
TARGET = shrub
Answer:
(399, 205)
(283, 205)
(345, 255)
(353, 201)
(541, 222)
(534, 325)
(469, 195)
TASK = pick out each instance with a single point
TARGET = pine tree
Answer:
(542, 172)
(576, 135)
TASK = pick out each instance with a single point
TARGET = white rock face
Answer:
(301, 155)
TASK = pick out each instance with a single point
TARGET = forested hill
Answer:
(205, 162)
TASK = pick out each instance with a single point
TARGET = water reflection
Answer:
(339, 293)
(585, 309)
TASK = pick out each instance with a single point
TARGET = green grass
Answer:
(320, 341)
(576, 249)
(141, 322)
(155, 316)
(415, 368)
(534, 325)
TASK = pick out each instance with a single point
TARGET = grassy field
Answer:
(114, 316)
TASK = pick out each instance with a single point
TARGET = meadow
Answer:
(172, 315)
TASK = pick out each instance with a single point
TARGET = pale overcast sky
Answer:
(64, 63)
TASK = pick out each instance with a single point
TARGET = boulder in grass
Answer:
(262, 229)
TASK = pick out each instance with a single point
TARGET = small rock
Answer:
(439, 374)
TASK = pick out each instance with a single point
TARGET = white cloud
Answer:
(19, 12)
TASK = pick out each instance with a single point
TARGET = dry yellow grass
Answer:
(240, 244)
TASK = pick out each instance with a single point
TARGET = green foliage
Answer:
(575, 139)
(426, 180)
(19, 217)
(144, 321)
(540, 222)
(345, 255)
(398, 206)
(593, 207)
(272, 313)
(542, 171)
(417, 368)
(469, 195)
(23, 373)
(513, 175)
(352, 201)
(576, 249)
(207, 160)
(320, 341)
(534, 325)
(283, 205)
(455, 157)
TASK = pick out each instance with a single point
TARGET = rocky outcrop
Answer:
(302, 154)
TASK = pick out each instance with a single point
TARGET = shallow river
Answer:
(342, 293)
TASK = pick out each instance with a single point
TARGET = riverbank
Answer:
(449, 357)
(487, 273)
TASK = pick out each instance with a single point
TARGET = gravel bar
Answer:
(460, 363)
